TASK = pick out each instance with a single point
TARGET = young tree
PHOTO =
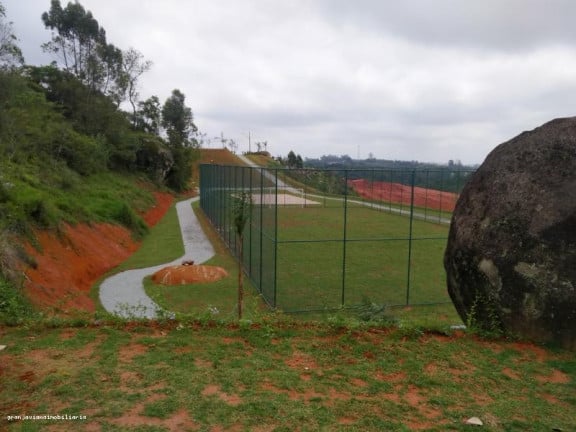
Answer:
(10, 53)
(222, 140)
(241, 213)
(233, 146)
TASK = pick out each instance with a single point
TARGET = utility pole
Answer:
(249, 143)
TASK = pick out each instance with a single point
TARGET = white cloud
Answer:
(404, 80)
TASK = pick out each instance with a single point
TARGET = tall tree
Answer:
(178, 121)
(133, 66)
(110, 75)
(80, 44)
(10, 53)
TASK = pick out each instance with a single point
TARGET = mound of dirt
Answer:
(187, 274)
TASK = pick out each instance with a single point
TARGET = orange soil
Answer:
(401, 194)
(186, 274)
(68, 265)
(219, 156)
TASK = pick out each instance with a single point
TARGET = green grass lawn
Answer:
(310, 274)
(316, 269)
(163, 244)
(214, 298)
(279, 376)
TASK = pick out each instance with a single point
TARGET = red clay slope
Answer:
(401, 194)
(69, 266)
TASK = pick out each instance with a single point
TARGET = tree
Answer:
(148, 116)
(222, 140)
(233, 146)
(10, 53)
(76, 37)
(241, 213)
(109, 76)
(292, 161)
(178, 121)
(133, 66)
(299, 162)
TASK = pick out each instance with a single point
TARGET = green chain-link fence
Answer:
(324, 239)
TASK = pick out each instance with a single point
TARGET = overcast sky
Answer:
(427, 80)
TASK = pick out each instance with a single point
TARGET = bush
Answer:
(126, 216)
(14, 307)
(83, 154)
(42, 213)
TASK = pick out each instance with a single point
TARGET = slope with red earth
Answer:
(402, 194)
(68, 265)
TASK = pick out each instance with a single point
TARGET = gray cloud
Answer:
(489, 24)
(417, 79)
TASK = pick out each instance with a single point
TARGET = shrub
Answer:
(126, 216)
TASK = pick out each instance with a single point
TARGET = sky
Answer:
(426, 80)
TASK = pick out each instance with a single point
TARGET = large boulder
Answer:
(511, 253)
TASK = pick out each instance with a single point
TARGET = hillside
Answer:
(80, 184)
(68, 261)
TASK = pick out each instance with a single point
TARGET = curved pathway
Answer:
(123, 294)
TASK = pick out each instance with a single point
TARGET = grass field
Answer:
(278, 376)
(163, 245)
(316, 269)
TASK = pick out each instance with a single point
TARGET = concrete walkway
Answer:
(123, 294)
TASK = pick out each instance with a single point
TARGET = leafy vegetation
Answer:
(68, 151)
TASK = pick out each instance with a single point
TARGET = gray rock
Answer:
(511, 253)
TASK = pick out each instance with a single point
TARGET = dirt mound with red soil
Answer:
(402, 194)
(68, 265)
(187, 274)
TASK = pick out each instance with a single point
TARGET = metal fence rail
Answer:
(326, 239)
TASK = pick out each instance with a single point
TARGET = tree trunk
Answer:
(240, 286)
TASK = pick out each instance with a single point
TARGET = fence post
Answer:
(247, 169)
(261, 227)
(441, 194)
(344, 237)
(410, 240)
(275, 234)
